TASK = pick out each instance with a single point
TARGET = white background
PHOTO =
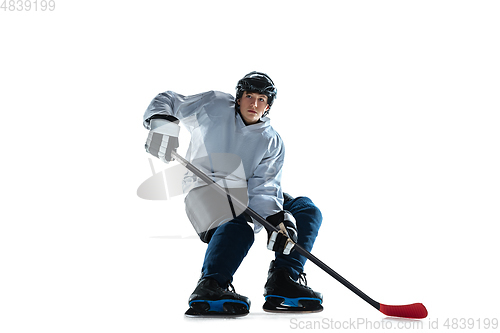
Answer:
(390, 115)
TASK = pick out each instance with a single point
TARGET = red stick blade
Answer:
(416, 310)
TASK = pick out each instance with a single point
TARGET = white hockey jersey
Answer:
(217, 130)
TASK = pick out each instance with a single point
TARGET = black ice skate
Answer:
(283, 294)
(210, 300)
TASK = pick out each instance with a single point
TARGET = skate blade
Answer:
(192, 313)
(280, 305)
(223, 309)
(290, 310)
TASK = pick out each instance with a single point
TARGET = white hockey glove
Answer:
(284, 240)
(163, 138)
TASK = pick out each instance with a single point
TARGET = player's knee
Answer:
(244, 228)
(307, 206)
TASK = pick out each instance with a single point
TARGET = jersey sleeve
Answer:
(264, 187)
(170, 103)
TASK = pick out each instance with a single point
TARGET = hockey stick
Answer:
(416, 310)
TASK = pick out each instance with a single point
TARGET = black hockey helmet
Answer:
(259, 83)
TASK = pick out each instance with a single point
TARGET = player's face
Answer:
(252, 107)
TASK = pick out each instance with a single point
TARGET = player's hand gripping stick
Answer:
(284, 240)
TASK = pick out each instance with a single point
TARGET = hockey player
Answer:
(222, 124)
